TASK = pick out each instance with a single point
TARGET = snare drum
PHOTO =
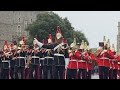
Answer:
(35, 60)
(5, 64)
(20, 62)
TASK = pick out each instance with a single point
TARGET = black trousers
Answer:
(42, 72)
(103, 72)
(0, 73)
(27, 73)
(12, 65)
(48, 72)
(88, 74)
(21, 70)
(114, 73)
(5, 73)
(12, 72)
(59, 72)
(71, 73)
(82, 74)
(32, 68)
(110, 73)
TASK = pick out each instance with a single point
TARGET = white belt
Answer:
(81, 61)
(73, 60)
(57, 54)
(5, 61)
(35, 57)
(118, 62)
(42, 58)
(20, 57)
(105, 58)
(49, 57)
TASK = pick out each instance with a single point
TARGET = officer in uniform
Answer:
(89, 63)
(28, 61)
(6, 64)
(82, 62)
(59, 58)
(7, 56)
(20, 61)
(72, 66)
(48, 62)
(103, 60)
(111, 59)
(42, 55)
(13, 49)
(34, 66)
(66, 48)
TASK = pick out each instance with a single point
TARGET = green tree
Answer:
(47, 22)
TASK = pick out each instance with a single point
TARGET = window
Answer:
(18, 30)
(31, 20)
(18, 26)
(25, 24)
(19, 19)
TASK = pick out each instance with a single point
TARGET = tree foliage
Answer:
(47, 22)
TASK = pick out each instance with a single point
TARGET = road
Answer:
(95, 76)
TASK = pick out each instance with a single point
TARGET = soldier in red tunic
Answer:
(115, 63)
(111, 58)
(72, 66)
(82, 62)
(103, 61)
(89, 63)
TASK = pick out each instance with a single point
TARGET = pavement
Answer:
(95, 76)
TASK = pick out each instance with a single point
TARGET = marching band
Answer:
(58, 60)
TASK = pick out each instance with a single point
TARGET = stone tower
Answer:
(14, 23)
(118, 38)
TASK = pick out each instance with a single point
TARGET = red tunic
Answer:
(103, 59)
(89, 65)
(82, 64)
(73, 60)
(111, 58)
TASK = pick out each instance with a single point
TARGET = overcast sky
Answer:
(95, 24)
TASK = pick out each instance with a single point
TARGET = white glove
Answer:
(38, 43)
